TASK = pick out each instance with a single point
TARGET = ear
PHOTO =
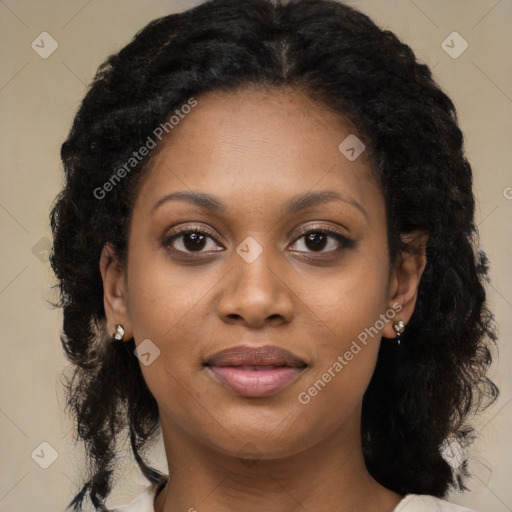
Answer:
(115, 293)
(405, 279)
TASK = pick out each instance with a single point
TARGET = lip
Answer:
(255, 371)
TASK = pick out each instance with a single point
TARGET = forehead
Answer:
(258, 144)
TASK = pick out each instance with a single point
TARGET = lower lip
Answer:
(255, 383)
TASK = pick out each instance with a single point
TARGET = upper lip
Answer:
(244, 355)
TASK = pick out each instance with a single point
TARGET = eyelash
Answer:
(344, 242)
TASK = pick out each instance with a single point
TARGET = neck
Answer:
(330, 475)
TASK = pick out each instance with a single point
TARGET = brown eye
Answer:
(316, 241)
(190, 240)
(321, 241)
(194, 241)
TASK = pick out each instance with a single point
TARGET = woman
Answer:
(265, 250)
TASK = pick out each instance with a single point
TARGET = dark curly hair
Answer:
(422, 393)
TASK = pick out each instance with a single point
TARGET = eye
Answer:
(188, 240)
(191, 239)
(321, 240)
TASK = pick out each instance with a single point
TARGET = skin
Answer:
(254, 150)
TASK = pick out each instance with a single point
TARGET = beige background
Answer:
(39, 97)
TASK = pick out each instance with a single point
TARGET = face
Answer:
(288, 250)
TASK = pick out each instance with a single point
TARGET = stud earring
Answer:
(399, 327)
(118, 335)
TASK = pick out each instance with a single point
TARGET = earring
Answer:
(118, 335)
(399, 327)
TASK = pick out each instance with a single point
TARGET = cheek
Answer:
(351, 312)
(166, 307)
(345, 359)
(352, 301)
(162, 296)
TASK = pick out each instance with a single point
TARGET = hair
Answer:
(421, 394)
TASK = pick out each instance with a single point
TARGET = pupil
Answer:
(193, 241)
(318, 241)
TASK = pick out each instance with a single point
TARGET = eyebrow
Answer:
(295, 204)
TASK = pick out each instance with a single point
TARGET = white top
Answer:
(409, 503)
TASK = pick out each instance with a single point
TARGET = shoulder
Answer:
(144, 502)
(425, 503)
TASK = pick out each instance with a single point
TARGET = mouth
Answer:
(255, 371)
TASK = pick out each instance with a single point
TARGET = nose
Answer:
(256, 294)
